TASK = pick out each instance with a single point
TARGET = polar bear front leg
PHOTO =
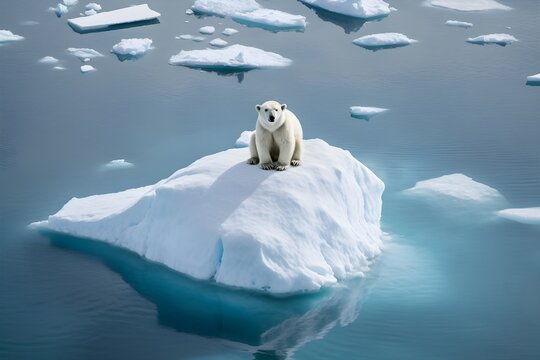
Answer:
(254, 156)
(297, 155)
(286, 150)
(264, 144)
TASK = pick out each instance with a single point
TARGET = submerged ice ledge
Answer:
(223, 220)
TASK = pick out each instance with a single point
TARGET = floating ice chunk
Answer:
(244, 139)
(90, 12)
(224, 7)
(218, 43)
(84, 53)
(59, 10)
(364, 112)
(498, 39)
(273, 20)
(533, 80)
(59, 68)
(189, 12)
(71, 2)
(324, 218)
(190, 37)
(383, 41)
(207, 30)
(456, 23)
(117, 164)
(468, 5)
(455, 186)
(29, 22)
(103, 20)
(363, 9)
(234, 57)
(229, 32)
(522, 215)
(130, 49)
(7, 36)
(87, 68)
(48, 60)
(93, 6)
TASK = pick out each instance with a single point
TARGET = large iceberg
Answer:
(522, 215)
(234, 57)
(498, 39)
(110, 19)
(363, 9)
(468, 5)
(7, 36)
(223, 220)
(383, 41)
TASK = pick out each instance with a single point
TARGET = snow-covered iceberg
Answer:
(468, 5)
(363, 9)
(533, 80)
(207, 30)
(117, 164)
(383, 41)
(7, 36)
(48, 60)
(93, 6)
(523, 215)
(84, 53)
(131, 49)
(234, 57)
(224, 8)
(456, 23)
(229, 32)
(223, 220)
(498, 39)
(272, 20)
(111, 19)
(365, 112)
(244, 138)
(87, 68)
(59, 9)
(219, 43)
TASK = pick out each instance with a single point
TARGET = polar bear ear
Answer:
(283, 106)
(258, 108)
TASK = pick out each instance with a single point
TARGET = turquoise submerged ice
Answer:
(224, 220)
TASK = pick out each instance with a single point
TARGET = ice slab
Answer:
(363, 9)
(229, 32)
(383, 41)
(131, 49)
(468, 5)
(48, 60)
(498, 39)
(234, 57)
(455, 186)
(523, 215)
(273, 20)
(84, 53)
(87, 68)
(207, 30)
(110, 19)
(224, 7)
(7, 36)
(461, 24)
(533, 80)
(219, 43)
(117, 164)
(244, 138)
(365, 112)
(223, 220)
(190, 37)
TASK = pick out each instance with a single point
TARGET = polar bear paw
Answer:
(253, 161)
(281, 167)
(296, 162)
(267, 166)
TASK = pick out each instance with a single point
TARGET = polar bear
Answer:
(277, 141)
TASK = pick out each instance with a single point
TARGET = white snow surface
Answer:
(533, 78)
(499, 39)
(217, 42)
(523, 215)
(207, 30)
(457, 23)
(223, 220)
(272, 19)
(232, 57)
(366, 111)
(117, 164)
(229, 32)
(93, 6)
(116, 17)
(364, 9)
(244, 138)
(87, 68)
(133, 47)
(383, 39)
(48, 60)
(224, 7)
(468, 5)
(7, 36)
(455, 186)
(84, 53)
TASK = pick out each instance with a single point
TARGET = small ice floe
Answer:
(90, 12)
(93, 6)
(522, 215)
(87, 68)
(272, 20)
(59, 10)
(117, 164)
(229, 32)
(104, 20)
(59, 68)
(498, 39)
(132, 49)
(189, 12)
(365, 112)
(224, 7)
(48, 60)
(533, 80)
(219, 43)
(7, 36)
(29, 23)
(244, 139)
(71, 2)
(207, 30)
(467, 5)
(383, 41)
(461, 24)
(364, 9)
(235, 57)
(190, 37)
(84, 53)
(456, 187)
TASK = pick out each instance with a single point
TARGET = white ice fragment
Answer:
(133, 47)
(71, 2)
(117, 164)
(29, 22)
(7, 36)
(229, 31)
(207, 30)
(59, 68)
(324, 218)
(106, 19)
(523, 215)
(48, 60)
(87, 68)
(456, 23)
(59, 10)
(244, 138)
(498, 39)
(219, 43)
(533, 79)
(468, 5)
(383, 40)
(90, 12)
(363, 9)
(190, 37)
(365, 112)
(84, 53)
(234, 57)
(93, 6)
(274, 20)
(189, 12)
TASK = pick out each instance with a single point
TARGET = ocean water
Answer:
(454, 281)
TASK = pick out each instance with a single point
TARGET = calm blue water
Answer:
(452, 283)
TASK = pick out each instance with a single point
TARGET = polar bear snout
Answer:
(271, 118)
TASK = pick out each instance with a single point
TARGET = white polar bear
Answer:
(277, 141)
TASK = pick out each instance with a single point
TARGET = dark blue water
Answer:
(452, 283)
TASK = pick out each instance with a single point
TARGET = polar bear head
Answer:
(271, 115)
